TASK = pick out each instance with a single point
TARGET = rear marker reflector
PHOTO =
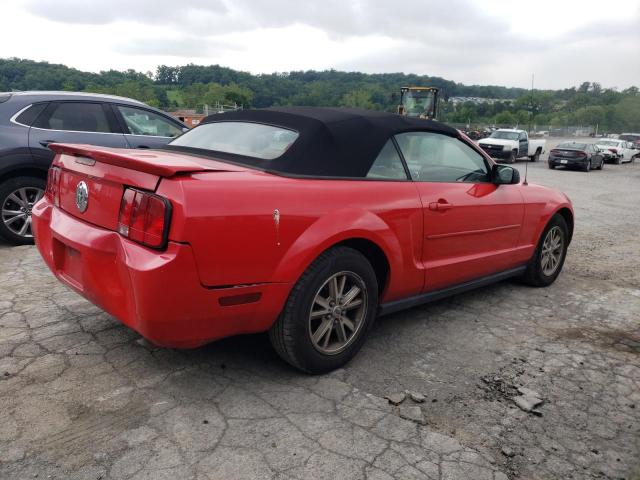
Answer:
(239, 299)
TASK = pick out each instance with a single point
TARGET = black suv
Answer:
(30, 121)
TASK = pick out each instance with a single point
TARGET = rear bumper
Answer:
(568, 162)
(158, 294)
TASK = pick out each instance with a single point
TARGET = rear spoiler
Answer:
(155, 162)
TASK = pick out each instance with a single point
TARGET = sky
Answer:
(484, 42)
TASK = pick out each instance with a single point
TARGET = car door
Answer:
(87, 122)
(523, 147)
(595, 155)
(471, 226)
(145, 128)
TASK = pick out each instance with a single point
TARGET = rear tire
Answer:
(297, 333)
(551, 166)
(17, 197)
(587, 167)
(539, 272)
(536, 156)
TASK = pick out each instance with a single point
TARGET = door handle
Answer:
(440, 206)
(45, 143)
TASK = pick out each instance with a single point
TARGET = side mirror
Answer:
(505, 175)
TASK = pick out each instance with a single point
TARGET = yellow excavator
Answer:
(421, 102)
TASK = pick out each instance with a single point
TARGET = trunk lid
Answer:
(567, 153)
(106, 172)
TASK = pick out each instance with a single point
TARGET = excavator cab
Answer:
(421, 102)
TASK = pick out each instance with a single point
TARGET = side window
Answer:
(145, 122)
(523, 136)
(75, 116)
(432, 157)
(388, 164)
(30, 114)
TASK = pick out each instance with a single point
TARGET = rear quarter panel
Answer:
(228, 218)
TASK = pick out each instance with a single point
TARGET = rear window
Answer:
(29, 116)
(75, 117)
(255, 140)
(629, 137)
(575, 146)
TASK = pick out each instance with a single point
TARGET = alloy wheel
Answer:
(552, 249)
(338, 312)
(16, 210)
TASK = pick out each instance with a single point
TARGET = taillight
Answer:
(554, 152)
(53, 185)
(144, 218)
(581, 155)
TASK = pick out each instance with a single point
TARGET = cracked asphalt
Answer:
(83, 397)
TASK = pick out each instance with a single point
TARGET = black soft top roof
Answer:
(333, 142)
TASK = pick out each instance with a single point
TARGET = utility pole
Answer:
(531, 109)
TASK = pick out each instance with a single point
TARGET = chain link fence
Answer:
(534, 130)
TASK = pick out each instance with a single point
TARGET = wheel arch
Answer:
(368, 234)
(374, 254)
(27, 171)
(567, 215)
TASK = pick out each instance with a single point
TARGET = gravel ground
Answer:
(84, 397)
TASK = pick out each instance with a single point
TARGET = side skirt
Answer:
(397, 305)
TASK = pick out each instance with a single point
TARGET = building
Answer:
(189, 117)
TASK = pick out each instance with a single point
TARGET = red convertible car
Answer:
(304, 222)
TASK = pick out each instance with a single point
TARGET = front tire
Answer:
(512, 157)
(328, 313)
(17, 197)
(548, 259)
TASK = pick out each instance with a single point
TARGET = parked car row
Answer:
(30, 121)
(590, 156)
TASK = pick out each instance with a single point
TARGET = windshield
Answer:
(630, 138)
(255, 140)
(572, 145)
(505, 135)
(418, 102)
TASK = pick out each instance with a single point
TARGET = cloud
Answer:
(176, 45)
(469, 41)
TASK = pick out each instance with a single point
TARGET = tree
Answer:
(505, 118)
(193, 86)
(357, 99)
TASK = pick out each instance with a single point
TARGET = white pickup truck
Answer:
(510, 144)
